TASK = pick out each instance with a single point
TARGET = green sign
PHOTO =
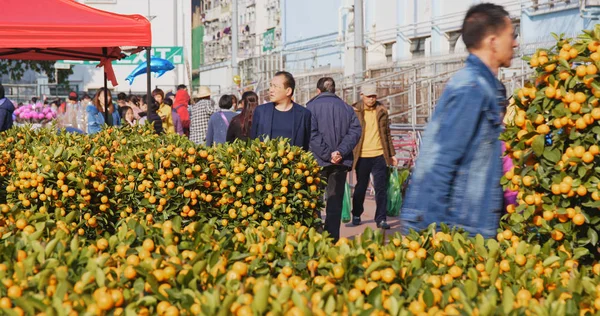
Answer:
(268, 40)
(172, 54)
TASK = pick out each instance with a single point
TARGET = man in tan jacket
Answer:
(373, 154)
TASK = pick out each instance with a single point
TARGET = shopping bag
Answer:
(394, 194)
(347, 204)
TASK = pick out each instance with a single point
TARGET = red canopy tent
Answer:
(65, 29)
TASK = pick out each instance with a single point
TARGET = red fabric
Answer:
(182, 98)
(29, 30)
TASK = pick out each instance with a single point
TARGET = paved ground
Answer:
(348, 230)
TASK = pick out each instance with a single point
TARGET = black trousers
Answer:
(335, 175)
(364, 167)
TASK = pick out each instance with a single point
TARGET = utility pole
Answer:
(234, 37)
(359, 48)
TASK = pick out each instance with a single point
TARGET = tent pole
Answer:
(148, 80)
(105, 52)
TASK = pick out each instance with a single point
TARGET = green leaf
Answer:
(552, 155)
(508, 298)
(580, 252)
(471, 288)
(538, 145)
(428, 297)
(550, 260)
(593, 235)
(581, 171)
(414, 287)
(261, 300)
(595, 85)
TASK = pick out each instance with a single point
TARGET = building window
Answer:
(417, 47)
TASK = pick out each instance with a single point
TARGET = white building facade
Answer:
(316, 36)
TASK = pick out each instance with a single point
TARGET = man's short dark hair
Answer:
(1, 91)
(289, 80)
(181, 87)
(326, 84)
(481, 20)
(226, 102)
(122, 96)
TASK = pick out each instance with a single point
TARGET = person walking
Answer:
(6, 111)
(219, 122)
(335, 131)
(180, 105)
(374, 153)
(241, 124)
(200, 113)
(456, 179)
(282, 117)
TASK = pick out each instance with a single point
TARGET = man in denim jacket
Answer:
(456, 179)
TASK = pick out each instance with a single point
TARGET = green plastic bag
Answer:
(394, 194)
(396, 185)
(347, 204)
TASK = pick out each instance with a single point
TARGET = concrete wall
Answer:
(170, 27)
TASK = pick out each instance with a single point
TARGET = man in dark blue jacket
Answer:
(6, 111)
(282, 117)
(335, 131)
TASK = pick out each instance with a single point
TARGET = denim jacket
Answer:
(456, 179)
(95, 119)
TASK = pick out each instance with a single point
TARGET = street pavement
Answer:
(368, 220)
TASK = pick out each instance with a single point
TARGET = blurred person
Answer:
(219, 122)
(200, 113)
(6, 111)
(70, 111)
(181, 105)
(71, 102)
(241, 124)
(121, 99)
(456, 179)
(134, 103)
(235, 101)
(335, 131)
(143, 103)
(127, 117)
(170, 95)
(95, 112)
(164, 111)
(282, 117)
(373, 154)
(181, 87)
(153, 118)
(176, 118)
